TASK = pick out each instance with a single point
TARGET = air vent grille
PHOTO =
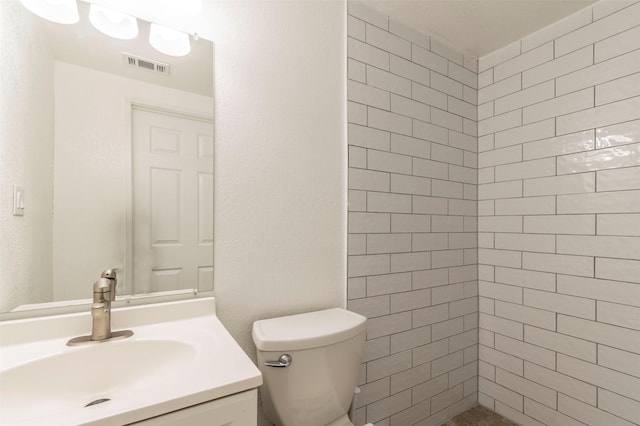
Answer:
(146, 64)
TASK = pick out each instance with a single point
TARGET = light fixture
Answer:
(58, 11)
(112, 23)
(169, 41)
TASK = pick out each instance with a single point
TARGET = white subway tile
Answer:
(408, 33)
(374, 391)
(384, 120)
(387, 366)
(525, 314)
(526, 242)
(463, 207)
(403, 262)
(370, 307)
(463, 374)
(616, 90)
(548, 415)
(598, 30)
(368, 265)
(608, 158)
(470, 95)
(463, 273)
(368, 54)
(409, 223)
(528, 132)
(428, 389)
(357, 201)
(388, 162)
(407, 145)
(526, 169)
(486, 175)
(618, 134)
(486, 110)
(562, 264)
(471, 63)
(410, 300)
(388, 243)
(428, 59)
(568, 184)
(500, 359)
(587, 413)
(560, 105)
(512, 154)
(615, 359)
(485, 143)
(601, 202)
(501, 326)
(368, 138)
(464, 307)
(606, 8)
(619, 179)
(463, 174)
(408, 69)
(618, 405)
(502, 292)
(446, 154)
(471, 193)
(387, 81)
(430, 132)
(356, 288)
(446, 258)
(368, 222)
(565, 384)
(445, 84)
(500, 393)
(365, 12)
(529, 279)
(355, 28)
(463, 75)
(603, 246)
(557, 29)
(446, 119)
(433, 205)
(357, 157)
(600, 376)
(560, 224)
(499, 89)
(525, 206)
(603, 115)
(447, 328)
(368, 180)
(485, 78)
(508, 189)
(356, 113)
(561, 343)
(404, 184)
(567, 144)
(617, 314)
(570, 305)
(527, 388)
(498, 56)
(443, 49)
(386, 284)
(463, 108)
(619, 224)
(356, 71)
(387, 41)
(409, 108)
(429, 96)
(356, 244)
(500, 224)
(466, 142)
(447, 363)
(558, 67)
(429, 241)
(523, 62)
(612, 291)
(410, 339)
(389, 324)
(408, 378)
(529, 96)
(610, 335)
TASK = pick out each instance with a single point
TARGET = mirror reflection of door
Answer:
(173, 201)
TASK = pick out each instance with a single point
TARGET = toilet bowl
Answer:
(309, 364)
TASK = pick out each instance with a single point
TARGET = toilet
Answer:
(309, 364)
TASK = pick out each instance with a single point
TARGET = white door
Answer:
(172, 202)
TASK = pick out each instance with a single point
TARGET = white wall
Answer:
(559, 225)
(26, 153)
(280, 190)
(90, 173)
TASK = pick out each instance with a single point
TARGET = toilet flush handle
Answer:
(282, 362)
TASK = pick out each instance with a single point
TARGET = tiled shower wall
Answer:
(559, 222)
(412, 245)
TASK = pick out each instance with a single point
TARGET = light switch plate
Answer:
(18, 200)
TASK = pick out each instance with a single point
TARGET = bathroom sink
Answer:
(175, 359)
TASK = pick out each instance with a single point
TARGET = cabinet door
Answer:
(236, 410)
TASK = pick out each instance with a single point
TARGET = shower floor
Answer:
(479, 416)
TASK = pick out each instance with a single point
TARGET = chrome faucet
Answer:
(104, 292)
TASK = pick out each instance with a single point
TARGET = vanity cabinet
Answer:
(240, 409)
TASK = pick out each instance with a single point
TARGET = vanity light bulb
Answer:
(169, 41)
(58, 11)
(113, 23)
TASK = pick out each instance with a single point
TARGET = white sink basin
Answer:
(182, 358)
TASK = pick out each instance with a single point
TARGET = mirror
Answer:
(108, 146)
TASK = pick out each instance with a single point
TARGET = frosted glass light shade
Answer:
(58, 11)
(112, 23)
(169, 41)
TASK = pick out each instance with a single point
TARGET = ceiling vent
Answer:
(145, 64)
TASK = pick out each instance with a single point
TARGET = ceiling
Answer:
(478, 27)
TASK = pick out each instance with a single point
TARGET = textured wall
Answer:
(559, 222)
(26, 157)
(412, 220)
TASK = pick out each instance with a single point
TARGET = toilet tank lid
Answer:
(308, 330)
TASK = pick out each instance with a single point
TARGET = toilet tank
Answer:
(326, 352)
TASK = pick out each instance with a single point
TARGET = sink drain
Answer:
(97, 401)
